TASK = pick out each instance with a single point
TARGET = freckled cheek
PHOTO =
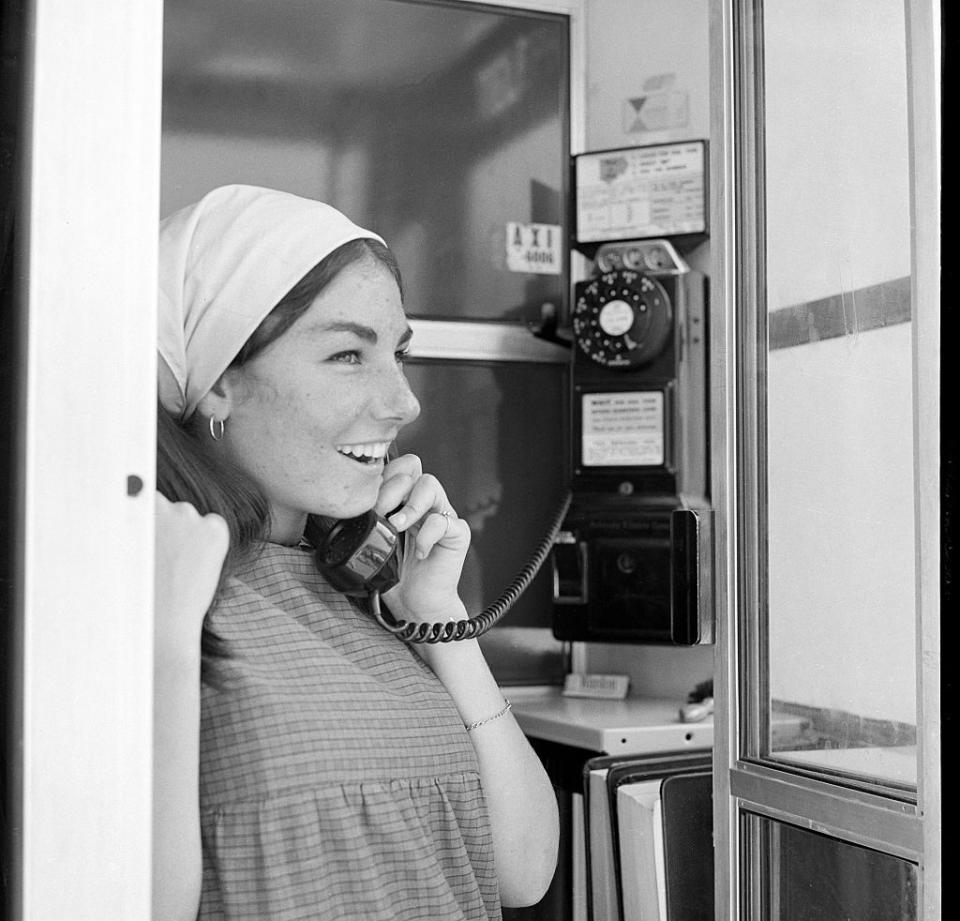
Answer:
(320, 426)
(261, 430)
(304, 423)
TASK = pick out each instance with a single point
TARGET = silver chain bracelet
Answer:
(489, 719)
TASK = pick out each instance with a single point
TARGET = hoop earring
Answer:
(216, 428)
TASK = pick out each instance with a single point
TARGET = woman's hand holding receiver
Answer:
(436, 543)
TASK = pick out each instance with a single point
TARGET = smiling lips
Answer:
(370, 452)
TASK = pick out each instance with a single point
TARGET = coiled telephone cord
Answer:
(416, 632)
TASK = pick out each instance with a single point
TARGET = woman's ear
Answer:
(218, 400)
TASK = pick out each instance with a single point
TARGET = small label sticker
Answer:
(534, 248)
(612, 687)
(661, 105)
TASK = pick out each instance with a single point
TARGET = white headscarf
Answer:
(225, 263)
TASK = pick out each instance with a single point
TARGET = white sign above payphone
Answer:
(641, 192)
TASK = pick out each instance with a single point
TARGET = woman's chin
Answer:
(361, 501)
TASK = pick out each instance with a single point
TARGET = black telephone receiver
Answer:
(361, 558)
(359, 555)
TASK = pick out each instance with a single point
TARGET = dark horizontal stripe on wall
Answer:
(840, 314)
(840, 729)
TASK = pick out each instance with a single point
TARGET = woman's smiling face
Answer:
(310, 417)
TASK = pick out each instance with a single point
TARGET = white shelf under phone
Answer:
(633, 726)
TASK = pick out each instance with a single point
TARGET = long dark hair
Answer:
(188, 473)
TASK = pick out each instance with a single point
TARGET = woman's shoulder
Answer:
(276, 569)
(277, 585)
(278, 592)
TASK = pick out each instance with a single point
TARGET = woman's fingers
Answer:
(408, 495)
(189, 552)
(445, 531)
(188, 537)
(417, 503)
(425, 496)
(399, 477)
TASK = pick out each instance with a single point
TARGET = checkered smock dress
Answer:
(336, 778)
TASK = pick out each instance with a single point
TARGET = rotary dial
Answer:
(622, 319)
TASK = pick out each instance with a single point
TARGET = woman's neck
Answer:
(286, 530)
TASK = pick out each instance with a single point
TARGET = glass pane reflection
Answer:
(839, 428)
(810, 877)
(435, 124)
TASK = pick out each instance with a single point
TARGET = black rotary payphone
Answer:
(633, 560)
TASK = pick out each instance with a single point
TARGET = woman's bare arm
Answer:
(520, 797)
(190, 550)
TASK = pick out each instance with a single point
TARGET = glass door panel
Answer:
(839, 638)
(805, 876)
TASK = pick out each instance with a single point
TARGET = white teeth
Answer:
(373, 450)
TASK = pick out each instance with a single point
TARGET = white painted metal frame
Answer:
(904, 829)
(482, 341)
(924, 68)
(723, 418)
(92, 139)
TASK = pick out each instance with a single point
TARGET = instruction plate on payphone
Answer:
(641, 192)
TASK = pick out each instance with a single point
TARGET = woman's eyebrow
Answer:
(347, 326)
(366, 333)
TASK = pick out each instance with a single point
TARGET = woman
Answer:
(308, 763)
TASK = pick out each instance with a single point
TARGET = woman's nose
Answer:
(398, 400)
